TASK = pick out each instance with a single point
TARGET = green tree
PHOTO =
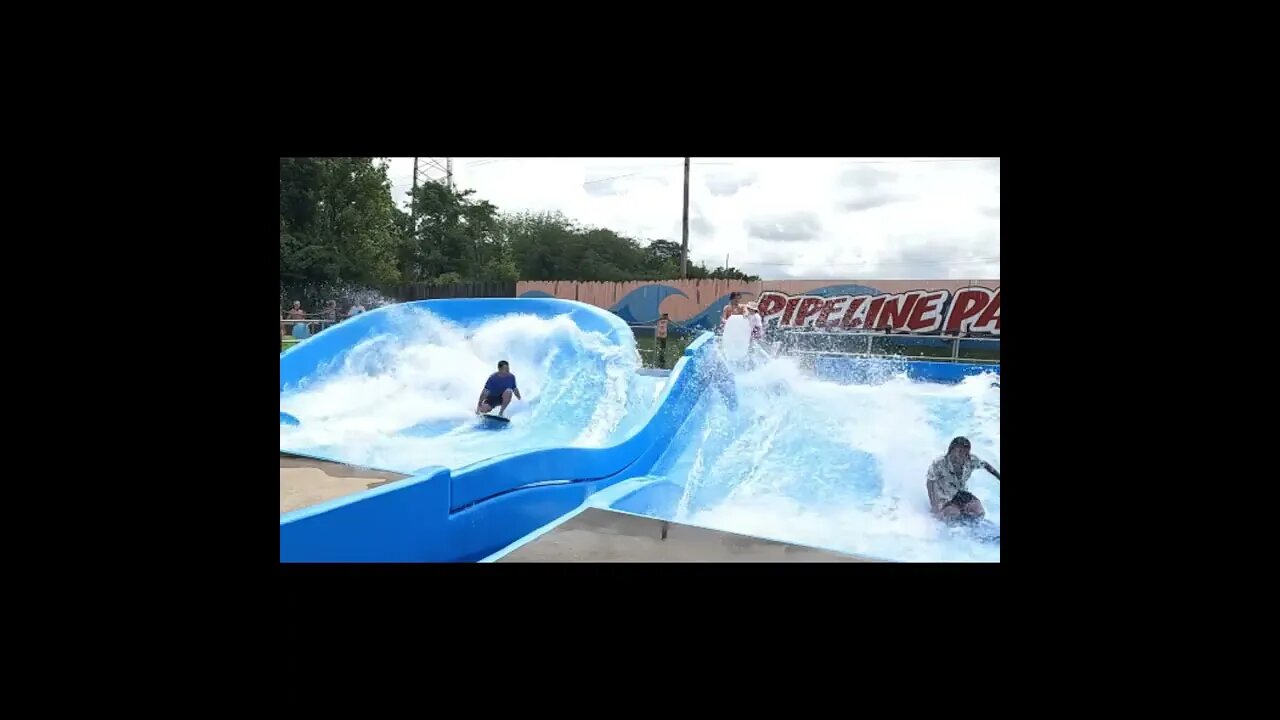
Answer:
(540, 244)
(338, 224)
(550, 246)
(341, 232)
(456, 234)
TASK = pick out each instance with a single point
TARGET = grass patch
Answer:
(647, 344)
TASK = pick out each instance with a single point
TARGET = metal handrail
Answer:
(871, 336)
(309, 321)
(912, 358)
(881, 333)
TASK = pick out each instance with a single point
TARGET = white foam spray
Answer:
(406, 398)
(837, 466)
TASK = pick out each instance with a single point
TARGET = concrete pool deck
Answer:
(305, 482)
(597, 535)
(594, 535)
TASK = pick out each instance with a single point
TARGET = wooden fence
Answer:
(408, 292)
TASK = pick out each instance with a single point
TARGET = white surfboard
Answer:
(735, 343)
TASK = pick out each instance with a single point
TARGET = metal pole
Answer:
(684, 242)
(413, 207)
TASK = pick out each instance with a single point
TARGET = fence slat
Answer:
(406, 292)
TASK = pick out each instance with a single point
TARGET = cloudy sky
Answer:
(854, 218)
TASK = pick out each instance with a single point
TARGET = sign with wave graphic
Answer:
(915, 306)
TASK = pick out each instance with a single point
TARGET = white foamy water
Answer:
(406, 399)
(836, 466)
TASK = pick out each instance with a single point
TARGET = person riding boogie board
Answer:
(498, 390)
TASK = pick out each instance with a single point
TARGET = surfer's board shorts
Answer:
(494, 399)
(962, 498)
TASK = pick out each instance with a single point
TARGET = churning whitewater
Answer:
(833, 465)
(406, 399)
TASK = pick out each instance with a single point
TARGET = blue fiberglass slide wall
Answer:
(311, 359)
(438, 515)
(441, 516)
(650, 493)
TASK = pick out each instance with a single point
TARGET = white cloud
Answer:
(873, 218)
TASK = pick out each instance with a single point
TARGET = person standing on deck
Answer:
(733, 308)
(660, 334)
(757, 323)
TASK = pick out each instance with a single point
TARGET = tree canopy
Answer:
(341, 228)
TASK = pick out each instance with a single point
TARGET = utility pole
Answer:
(413, 207)
(684, 242)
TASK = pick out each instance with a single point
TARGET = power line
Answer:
(858, 162)
(481, 163)
(970, 261)
(667, 164)
(615, 177)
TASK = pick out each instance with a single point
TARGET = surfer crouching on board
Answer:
(948, 476)
(498, 390)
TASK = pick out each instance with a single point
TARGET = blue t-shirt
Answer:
(497, 383)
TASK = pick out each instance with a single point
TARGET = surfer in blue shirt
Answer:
(498, 390)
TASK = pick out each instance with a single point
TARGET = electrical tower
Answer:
(430, 169)
(433, 169)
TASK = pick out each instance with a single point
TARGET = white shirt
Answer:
(944, 480)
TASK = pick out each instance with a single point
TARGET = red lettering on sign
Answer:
(966, 306)
(873, 311)
(856, 313)
(971, 309)
(808, 307)
(834, 306)
(989, 320)
(771, 303)
(927, 315)
(791, 307)
(897, 308)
